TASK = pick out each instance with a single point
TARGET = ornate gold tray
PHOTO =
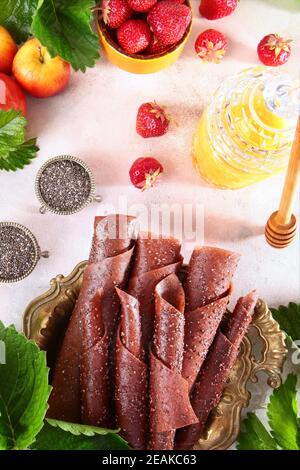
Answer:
(46, 318)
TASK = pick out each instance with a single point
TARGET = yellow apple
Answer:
(8, 50)
(37, 72)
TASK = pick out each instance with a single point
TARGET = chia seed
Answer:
(18, 254)
(65, 186)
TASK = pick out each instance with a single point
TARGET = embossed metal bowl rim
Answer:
(70, 158)
(224, 426)
(37, 250)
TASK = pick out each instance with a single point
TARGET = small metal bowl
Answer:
(45, 206)
(37, 253)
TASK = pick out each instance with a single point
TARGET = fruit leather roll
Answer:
(170, 406)
(94, 314)
(207, 286)
(216, 369)
(155, 258)
(131, 381)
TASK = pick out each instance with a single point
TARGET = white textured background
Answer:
(94, 119)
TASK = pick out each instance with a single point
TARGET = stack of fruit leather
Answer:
(144, 351)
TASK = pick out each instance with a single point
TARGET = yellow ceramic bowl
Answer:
(138, 63)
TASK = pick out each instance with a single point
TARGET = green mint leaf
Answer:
(24, 390)
(282, 414)
(54, 437)
(254, 436)
(64, 27)
(15, 152)
(288, 319)
(16, 16)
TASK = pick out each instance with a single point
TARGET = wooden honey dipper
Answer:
(281, 227)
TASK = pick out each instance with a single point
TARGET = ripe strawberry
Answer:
(211, 46)
(134, 36)
(144, 172)
(141, 5)
(151, 120)
(169, 21)
(274, 50)
(155, 47)
(115, 12)
(215, 9)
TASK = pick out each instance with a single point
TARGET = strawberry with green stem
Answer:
(144, 172)
(152, 120)
(273, 50)
(211, 46)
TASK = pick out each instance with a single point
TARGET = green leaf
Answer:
(64, 27)
(288, 319)
(254, 436)
(24, 390)
(78, 429)
(16, 16)
(12, 131)
(282, 413)
(15, 152)
(80, 437)
(20, 157)
(298, 434)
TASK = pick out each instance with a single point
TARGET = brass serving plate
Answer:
(46, 318)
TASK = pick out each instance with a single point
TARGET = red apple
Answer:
(37, 72)
(8, 50)
(11, 95)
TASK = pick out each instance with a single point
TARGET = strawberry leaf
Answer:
(77, 429)
(24, 390)
(254, 436)
(15, 152)
(16, 16)
(282, 413)
(59, 435)
(64, 27)
(21, 156)
(288, 319)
